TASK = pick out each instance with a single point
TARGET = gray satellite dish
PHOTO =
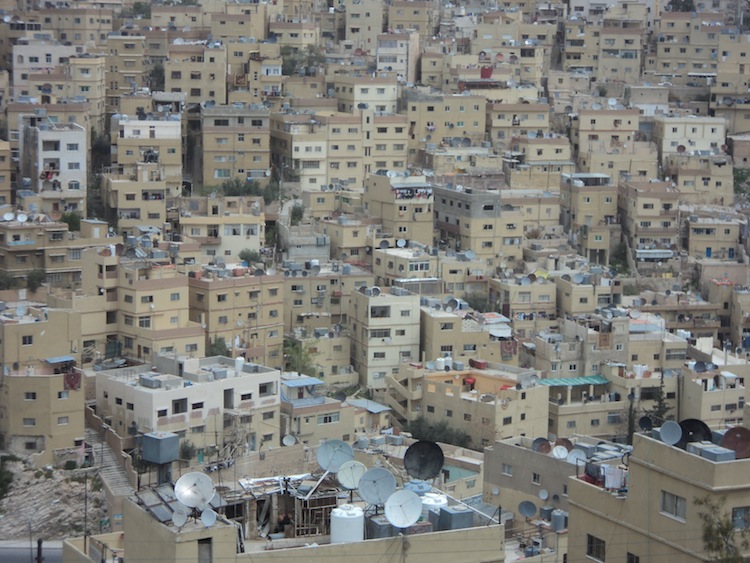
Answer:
(424, 460)
(577, 278)
(376, 485)
(612, 102)
(179, 516)
(21, 311)
(333, 453)
(350, 473)
(525, 281)
(194, 489)
(560, 452)
(208, 517)
(401, 243)
(288, 440)
(576, 455)
(470, 254)
(403, 508)
(22, 217)
(8, 216)
(527, 509)
(635, 314)
(670, 432)
(596, 106)
(543, 494)
(645, 423)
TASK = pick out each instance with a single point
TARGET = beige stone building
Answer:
(454, 334)
(329, 347)
(136, 196)
(358, 93)
(398, 54)
(364, 22)
(537, 162)
(198, 71)
(681, 133)
(508, 120)
(595, 129)
(713, 237)
(530, 306)
(484, 403)
(701, 178)
(79, 25)
(246, 310)
(419, 15)
(385, 333)
(127, 67)
(405, 267)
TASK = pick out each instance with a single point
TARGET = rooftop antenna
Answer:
(350, 473)
(560, 452)
(424, 460)
(208, 517)
(331, 455)
(693, 430)
(645, 423)
(195, 490)
(288, 440)
(576, 455)
(541, 445)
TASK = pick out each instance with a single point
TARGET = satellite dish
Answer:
(208, 517)
(495, 491)
(564, 442)
(560, 452)
(634, 314)
(737, 439)
(645, 423)
(289, 440)
(8, 216)
(21, 311)
(541, 445)
(179, 516)
(543, 494)
(403, 508)
(596, 106)
(376, 485)
(670, 432)
(693, 430)
(194, 489)
(525, 281)
(700, 367)
(340, 396)
(333, 453)
(576, 455)
(22, 217)
(401, 243)
(350, 473)
(577, 278)
(612, 102)
(423, 460)
(527, 508)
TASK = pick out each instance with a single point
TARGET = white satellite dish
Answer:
(401, 243)
(403, 508)
(289, 440)
(333, 453)
(22, 217)
(194, 489)
(576, 455)
(560, 452)
(612, 102)
(543, 494)
(670, 432)
(376, 485)
(208, 517)
(350, 473)
(179, 516)
(8, 216)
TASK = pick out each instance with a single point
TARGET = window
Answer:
(507, 469)
(536, 478)
(62, 395)
(741, 517)
(595, 547)
(179, 406)
(632, 558)
(196, 406)
(328, 418)
(29, 421)
(507, 420)
(174, 297)
(268, 415)
(27, 340)
(29, 396)
(673, 505)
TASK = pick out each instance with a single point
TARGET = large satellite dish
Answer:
(567, 444)
(333, 453)
(560, 452)
(208, 517)
(350, 473)
(376, 485)
(194, 489)
(693, 430)
(737, 439)
(670, 432)
(645, 423)
(576, 455)
(288, 440)
(423, 460)
(541, 445)
(179, 516)
(527, 509)
(403, 508)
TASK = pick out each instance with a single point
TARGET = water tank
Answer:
(558, 520)
(433, 502)
(418, 486)
(456, 517)
(546, 513)
(347, 524)
(440, 364)
(394, 439)
(346, 269)
(449, 363)
(239, 361)
(363, 443)
(378, 527)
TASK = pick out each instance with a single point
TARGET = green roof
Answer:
(574, 381)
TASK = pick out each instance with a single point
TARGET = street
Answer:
(19, 552)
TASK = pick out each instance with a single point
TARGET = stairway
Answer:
(110, 471)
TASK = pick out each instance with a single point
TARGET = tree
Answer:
(661, 409)
(187, 450)
(217, 347)
(101, 151)
(156, 78)
(477, 301)
(35, 279)
(681, 6)
(421, 429)
(250, 256)
(299, 358)
(720, 536)
(8, 282)
(73, 220)
(6, 478)
(298, 212)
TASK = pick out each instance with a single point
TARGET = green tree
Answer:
(35, 279)
(298, 212)
(477, 301)
(299, 358)
(217, 347)
(421, 429)
(8, 282)
(187, 450)
(721, 540)
(250, 256)
(6, 478)
(681, 6)
(660, 413)
(101, 151)
(73, 220)
(156, 78)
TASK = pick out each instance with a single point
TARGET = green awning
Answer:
(574, 381)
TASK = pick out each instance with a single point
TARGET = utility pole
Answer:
(39, 556)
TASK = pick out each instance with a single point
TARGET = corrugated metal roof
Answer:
(371, 406)
(573, 381)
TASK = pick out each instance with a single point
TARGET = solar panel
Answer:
(161, 513)
(149, 498)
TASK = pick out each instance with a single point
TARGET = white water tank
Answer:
(347, 524)
(239, 361)
(433, 502)
(440, 364)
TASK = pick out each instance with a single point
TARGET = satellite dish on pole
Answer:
(693, 430)
(424, 460)
(208, 517)
(179, 516)
(527, 509)
(670, 432)
(376, 485)
(350, 473)
(645, 423)
(403, 508)
(333, 453)
(194, 489)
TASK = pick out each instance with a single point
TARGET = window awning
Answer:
(60, 359)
